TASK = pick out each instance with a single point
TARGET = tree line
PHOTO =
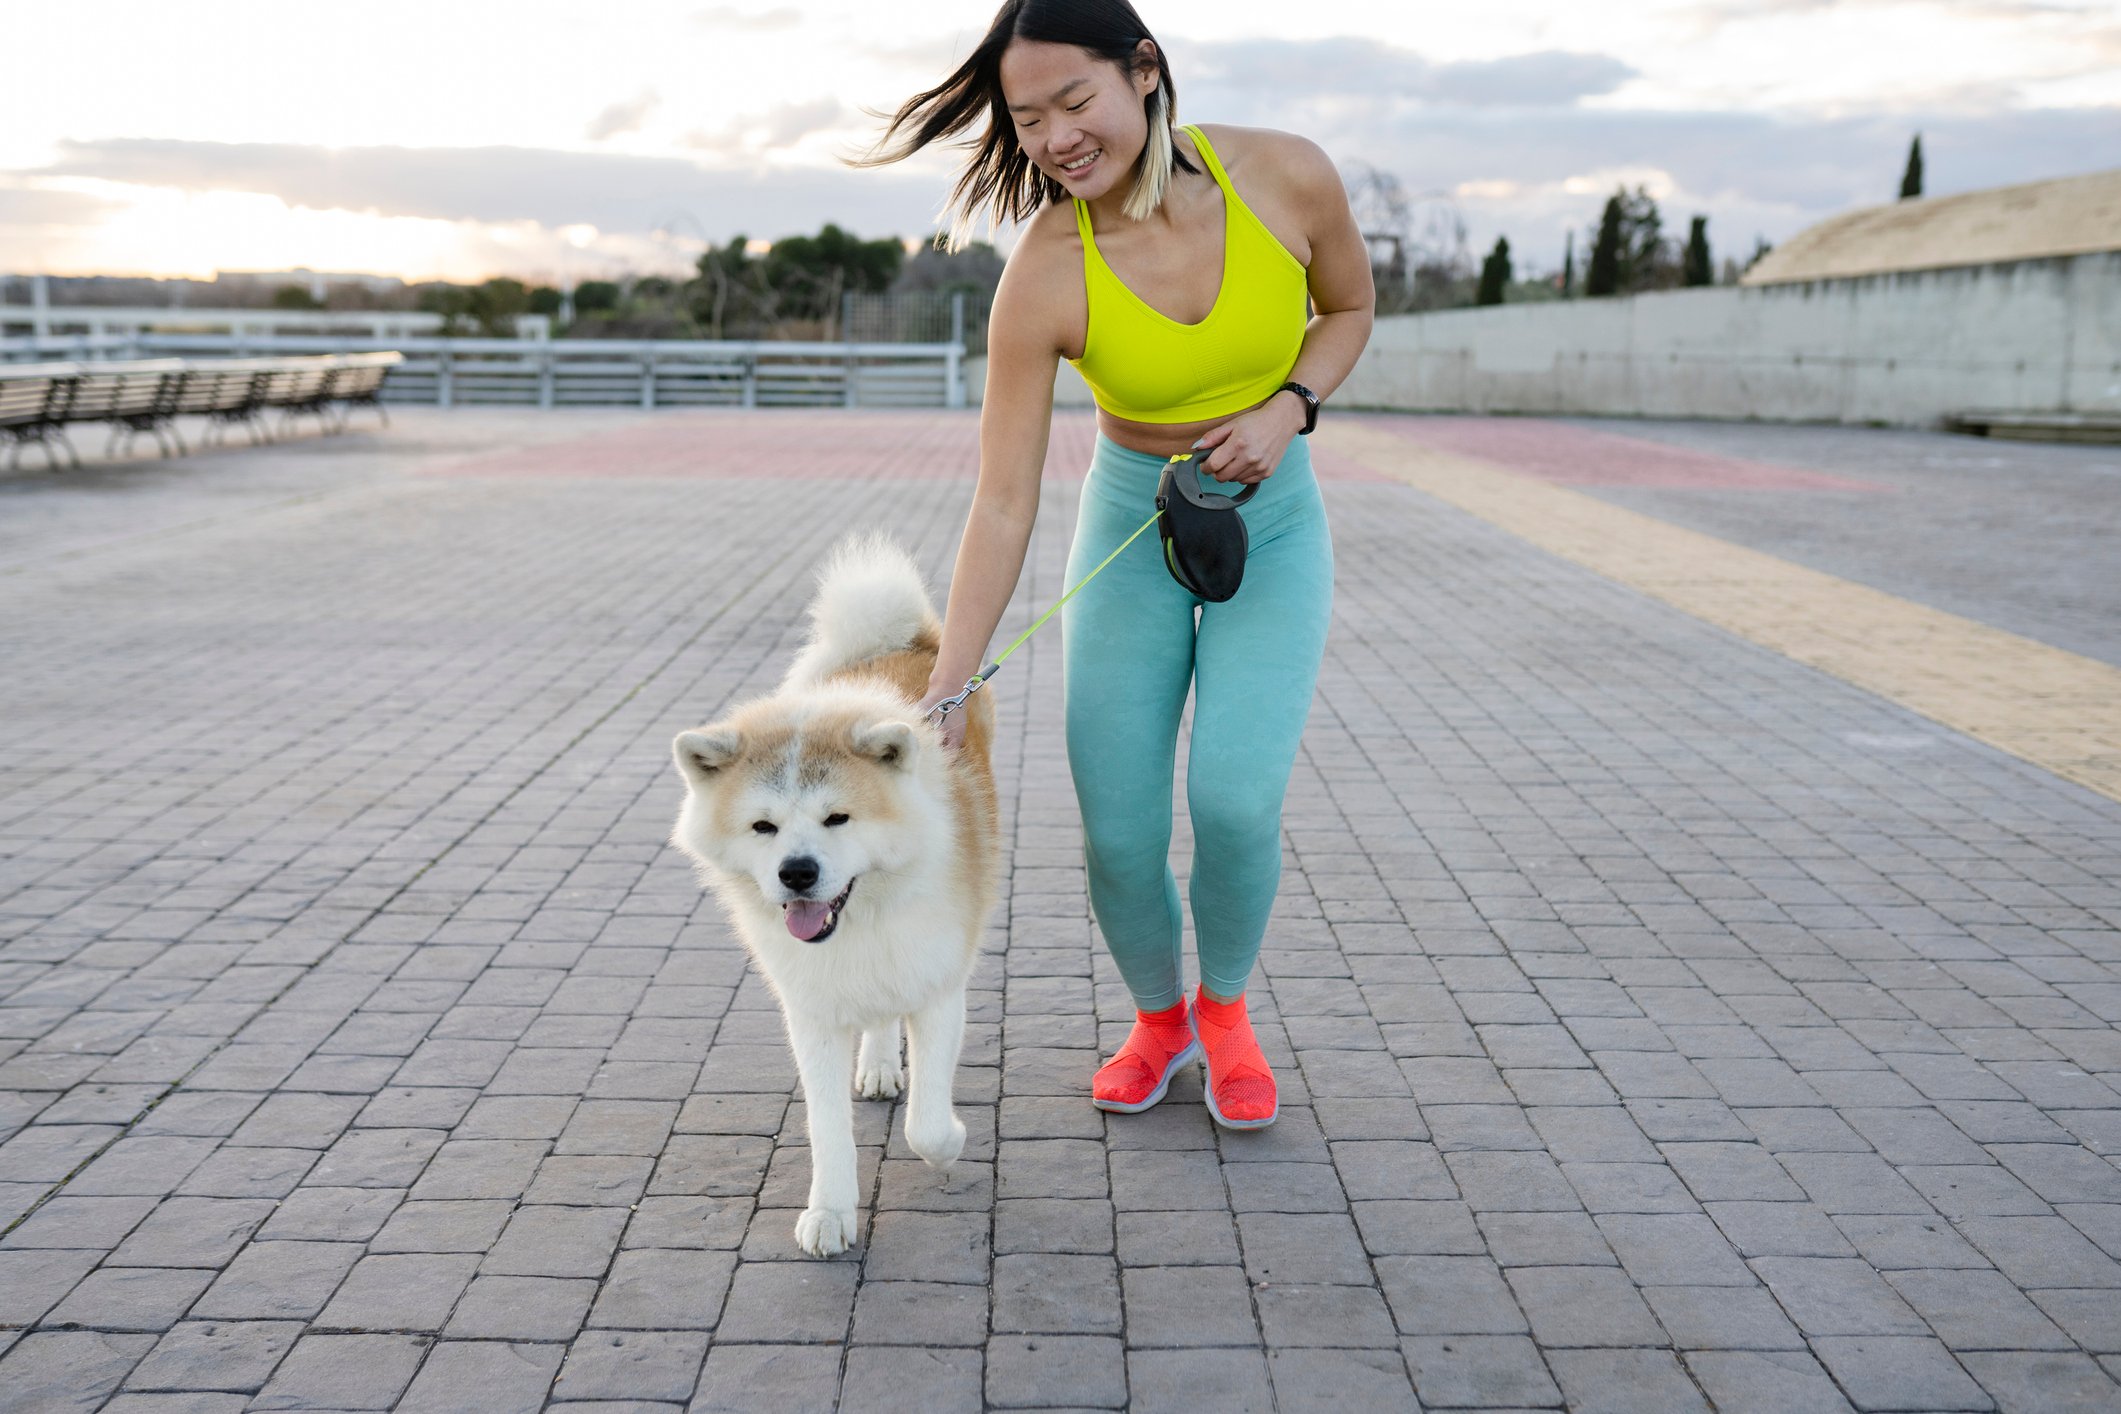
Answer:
(1630, 252)
(793, 287)
(789, 289)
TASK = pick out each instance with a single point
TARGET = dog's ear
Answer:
(702, 753)
(887, 743)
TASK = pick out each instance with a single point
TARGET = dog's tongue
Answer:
(806, 919)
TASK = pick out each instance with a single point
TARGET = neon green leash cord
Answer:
(942, 710)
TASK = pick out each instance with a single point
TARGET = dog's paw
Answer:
(823, 1232)
(939, 1147)
(878, 1082)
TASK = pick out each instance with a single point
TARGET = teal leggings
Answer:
(1132, 646)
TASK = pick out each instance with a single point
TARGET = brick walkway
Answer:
(1661, 1023)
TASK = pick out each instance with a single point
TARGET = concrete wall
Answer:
(1905, 349)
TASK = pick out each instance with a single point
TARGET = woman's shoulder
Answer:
(1046, 243)
(1270, 156)
(1047, 238)
(1051, 227)
(1042, 284)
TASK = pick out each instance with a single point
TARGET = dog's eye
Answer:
(764, 827)
(831, 820)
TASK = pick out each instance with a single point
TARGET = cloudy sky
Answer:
(462, 138)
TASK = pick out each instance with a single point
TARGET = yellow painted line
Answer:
(2058, 710)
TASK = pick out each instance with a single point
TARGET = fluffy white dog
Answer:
(857, 859)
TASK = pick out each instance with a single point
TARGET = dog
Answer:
(858, 860)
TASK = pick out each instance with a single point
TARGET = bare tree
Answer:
(1385, 218)
(1418, 252)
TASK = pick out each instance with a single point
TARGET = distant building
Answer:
(2003, 225)
(229, 289)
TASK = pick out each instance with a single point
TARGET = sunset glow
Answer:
(563, 142)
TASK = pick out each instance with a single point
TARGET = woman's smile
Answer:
(1076, 168)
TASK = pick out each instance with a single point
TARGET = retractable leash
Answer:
(1181, 474)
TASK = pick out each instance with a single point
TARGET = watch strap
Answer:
(1310, 404)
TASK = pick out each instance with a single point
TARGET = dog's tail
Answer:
(871, 600)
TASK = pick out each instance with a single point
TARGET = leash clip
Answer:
(941, 710)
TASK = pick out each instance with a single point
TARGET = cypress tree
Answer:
(1568, 266)
(1700, 270)
(1605, 256)
(1911, 180)
(1495, 273)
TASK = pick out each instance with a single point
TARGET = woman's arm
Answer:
(1343, 301)
(1016, 417)
(1343, 297)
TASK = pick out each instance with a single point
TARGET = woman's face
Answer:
(1079, 117)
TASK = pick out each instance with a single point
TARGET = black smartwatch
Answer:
(1310, 405)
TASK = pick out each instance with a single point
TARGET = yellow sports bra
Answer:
(1145, 366)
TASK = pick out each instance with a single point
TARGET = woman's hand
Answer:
(953, 723)
(1249, 446)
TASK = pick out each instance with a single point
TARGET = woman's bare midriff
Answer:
(1160, 439)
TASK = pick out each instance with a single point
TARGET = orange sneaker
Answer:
(1141, 1072)
(1240, 1088)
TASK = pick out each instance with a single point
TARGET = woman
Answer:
(1171, 266)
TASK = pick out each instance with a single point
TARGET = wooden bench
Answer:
(33, 404)
(39, 401)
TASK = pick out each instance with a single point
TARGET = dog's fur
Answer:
(920, 845)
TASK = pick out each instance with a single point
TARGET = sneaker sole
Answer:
(1191, 1052)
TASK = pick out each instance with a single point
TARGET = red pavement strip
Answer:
(1576, 456)
(788, 443)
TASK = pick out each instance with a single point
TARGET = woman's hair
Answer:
(1000, 180)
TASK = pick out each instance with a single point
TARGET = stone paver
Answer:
(1662, 1023)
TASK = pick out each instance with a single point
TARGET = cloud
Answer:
(729, 17)
(1700, 20)
(937, 56)
(781, 126)
(1714, 13)
(1302, 69)
(34, 207)
(615, 192)
(1810, 163)
(1728, 11)
(1534, 176)
(2101, 48)
(620, 118)
(1552, 78)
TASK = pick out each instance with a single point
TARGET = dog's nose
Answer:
(799, 872)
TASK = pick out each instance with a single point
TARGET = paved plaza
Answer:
(1664, 1020)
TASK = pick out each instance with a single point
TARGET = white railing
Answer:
(645, 373)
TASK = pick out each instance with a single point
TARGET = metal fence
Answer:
(646, 373)
(918, 316)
